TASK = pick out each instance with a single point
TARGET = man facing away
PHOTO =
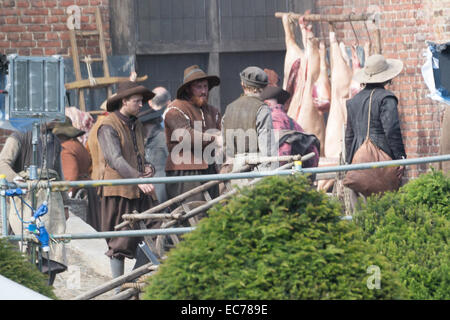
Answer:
(247, 122)
(121, 156)
(155, 140)
(192, 128)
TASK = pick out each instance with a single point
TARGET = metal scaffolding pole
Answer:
(64, 185)
(107, 234)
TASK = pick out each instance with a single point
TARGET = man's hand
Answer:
(149, 171)
(147, 188)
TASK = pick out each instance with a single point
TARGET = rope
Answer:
(139, 284)
(88, 61)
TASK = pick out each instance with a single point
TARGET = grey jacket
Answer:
(156, 153)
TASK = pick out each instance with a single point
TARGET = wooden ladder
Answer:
(106, 81)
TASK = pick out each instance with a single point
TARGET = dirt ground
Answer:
(67, 286)
(80, 278)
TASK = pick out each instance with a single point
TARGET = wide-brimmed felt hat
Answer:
(271, 92)
(194, 73)
(127, 89)
(67, 129)
(378, 69)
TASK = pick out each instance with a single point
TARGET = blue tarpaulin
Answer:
(436, 71)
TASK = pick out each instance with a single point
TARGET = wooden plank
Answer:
(76, 67)
(207, 196)
(87, 33)
(101, 82)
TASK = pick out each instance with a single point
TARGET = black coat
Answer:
(385, 129)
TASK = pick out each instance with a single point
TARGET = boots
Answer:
(117, 269)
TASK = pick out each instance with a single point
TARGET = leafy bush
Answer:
(16, 267)
(279, 240)
(412, 228)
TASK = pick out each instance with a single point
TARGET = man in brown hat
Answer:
(191, 125)
(121, 155)
(247, 122)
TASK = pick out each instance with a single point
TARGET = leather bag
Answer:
(371, 181)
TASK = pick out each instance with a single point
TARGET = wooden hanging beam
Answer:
(374, 17)
(330, 18)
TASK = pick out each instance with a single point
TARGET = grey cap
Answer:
(255, 77)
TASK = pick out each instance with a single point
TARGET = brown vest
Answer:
(98, 160)
(129, 154)
(211, 119)
(241, 114)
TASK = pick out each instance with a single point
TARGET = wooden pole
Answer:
(117, 282)
(179, 198)
(98, 20)
(76, 68)
(125, 294)
(328, 18)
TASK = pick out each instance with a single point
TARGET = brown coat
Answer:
(127, 146)
(75, 160)
(181, 114)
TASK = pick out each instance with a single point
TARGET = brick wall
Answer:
(39, 28)
(404, 25)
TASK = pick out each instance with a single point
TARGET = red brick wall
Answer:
(404, 25)
(39, 28)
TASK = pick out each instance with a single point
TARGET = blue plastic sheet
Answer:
(436, 71)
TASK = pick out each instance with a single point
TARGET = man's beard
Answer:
(199, 101)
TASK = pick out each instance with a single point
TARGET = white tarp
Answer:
(428, 76)
(14, 291)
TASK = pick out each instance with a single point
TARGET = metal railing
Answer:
(65, 185)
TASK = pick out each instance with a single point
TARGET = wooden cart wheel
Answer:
(163, 243)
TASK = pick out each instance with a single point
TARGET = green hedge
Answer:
(412, 228)
(16, 267)
(279, 240)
